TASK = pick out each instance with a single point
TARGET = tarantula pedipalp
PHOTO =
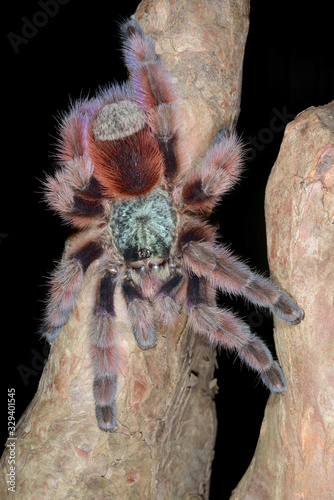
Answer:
(125, 179)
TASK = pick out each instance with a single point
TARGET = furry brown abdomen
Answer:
(127, 167)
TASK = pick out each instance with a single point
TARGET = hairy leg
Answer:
(73, 191)
(66, 282)
(225, 329)
(166, 304)
(154, 91)
(225, 271)
(141, 315)
(220, 169)
(104, 353)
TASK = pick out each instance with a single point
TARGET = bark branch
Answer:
(164, 444)
(294, 455)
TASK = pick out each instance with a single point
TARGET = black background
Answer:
(288, 67)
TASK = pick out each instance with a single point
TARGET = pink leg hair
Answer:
(105, 354)
(224, 329)
(155, 92)
(220, 169)
(141, 315)
(169, 298)
(72, 191)
(66, 282)
(226, 272)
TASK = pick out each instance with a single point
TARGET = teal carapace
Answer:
(144, 226)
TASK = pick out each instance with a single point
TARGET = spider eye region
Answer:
(144, 226)
(144, 253)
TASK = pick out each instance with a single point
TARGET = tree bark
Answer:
(294, 456)
(164, 443)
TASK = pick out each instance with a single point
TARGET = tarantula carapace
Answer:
(125, 182)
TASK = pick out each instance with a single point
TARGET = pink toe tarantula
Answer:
(125, 185)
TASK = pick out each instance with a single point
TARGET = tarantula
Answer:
(126, 185)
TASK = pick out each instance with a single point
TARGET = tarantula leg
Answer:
(224, 329)
(166, 306)
(73, 129)
(137, 47)
(220, 169)
(104, 354)
(154, 91)
(254, 287)
(141, 315)
(73, 191)
(151, 82)
(231, 275)
(66, 282)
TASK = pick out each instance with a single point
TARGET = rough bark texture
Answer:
(164, 444)
(294, 456)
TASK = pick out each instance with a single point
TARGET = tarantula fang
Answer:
(125, 184)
